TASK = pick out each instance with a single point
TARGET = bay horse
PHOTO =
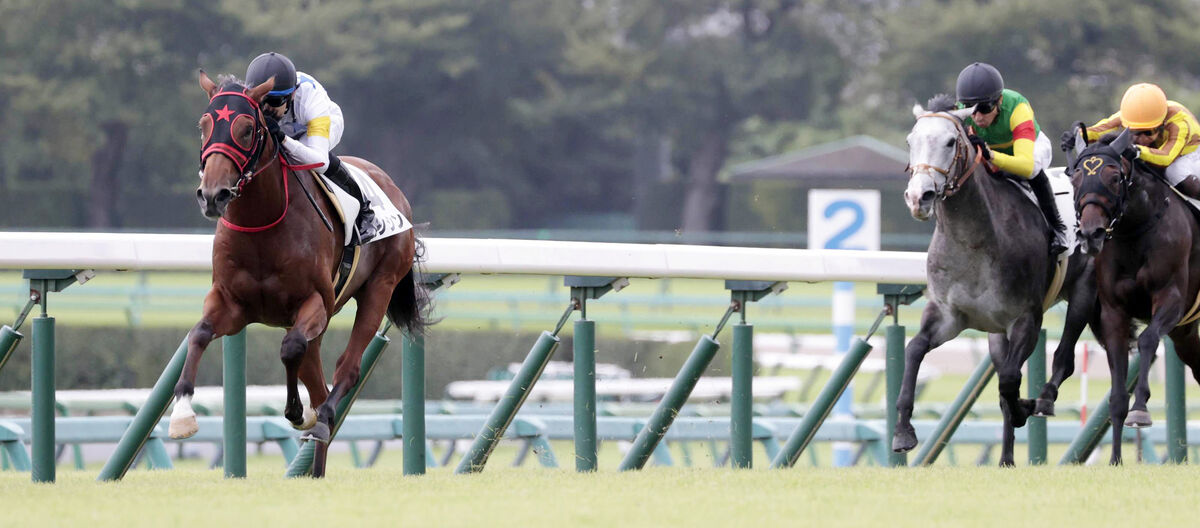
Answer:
(1146, 244)
(989, 267)
(274, 264)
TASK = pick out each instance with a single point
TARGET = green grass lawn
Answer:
(928, 497)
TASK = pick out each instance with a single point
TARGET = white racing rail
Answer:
(166, 252)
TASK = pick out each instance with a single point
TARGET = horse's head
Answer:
(234, 136)
(1102, 177)
(938, 150)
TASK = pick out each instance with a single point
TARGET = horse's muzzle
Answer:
(920, 208)
(1092, 241)
(213, 202)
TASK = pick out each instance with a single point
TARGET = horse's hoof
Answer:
(903, 442)
(183, 427)
(1043, 408)
(1007, 464)
(1022, 413)
(318, 432)
(308, 420)
(1138, 419)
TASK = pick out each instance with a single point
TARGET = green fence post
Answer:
(43, 399)
(1176, 406)
(1097, 424)
(816, 414)
(954, 415)
(413, 396)
(506, 409)
(302, 464)
(233, 359)
(894, 366)
(585, 395)
(146, 419)
(1036, 379)
(650, 435)
(9, 339)
(741, 447)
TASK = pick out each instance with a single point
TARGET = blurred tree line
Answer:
(528, 113)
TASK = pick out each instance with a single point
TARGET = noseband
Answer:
(956, 179)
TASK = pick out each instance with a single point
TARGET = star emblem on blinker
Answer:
(224, 113)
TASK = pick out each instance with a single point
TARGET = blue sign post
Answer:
(843, 219)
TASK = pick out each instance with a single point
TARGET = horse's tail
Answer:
(411, 303)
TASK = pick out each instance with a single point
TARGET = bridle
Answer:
(958, 172)
(1091, 189)
(233, 106)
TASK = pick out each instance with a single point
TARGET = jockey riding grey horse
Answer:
(988, 268)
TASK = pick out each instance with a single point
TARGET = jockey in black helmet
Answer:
(309, 125)
(1010, 137)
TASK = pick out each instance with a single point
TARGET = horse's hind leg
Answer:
(1187, 347)
(372, 303)
(220, 319)
(310, 324)
(1081, 308)
(1168, 309)
(936, 328)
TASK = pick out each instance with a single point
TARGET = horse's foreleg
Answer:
(1115, 336)
(1081, 309)
(935, 330)
(313, 378)
(219, 319)
(1168, 310)
(1009, 351)
(310, 323)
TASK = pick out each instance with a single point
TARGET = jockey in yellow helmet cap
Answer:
(1167, 135)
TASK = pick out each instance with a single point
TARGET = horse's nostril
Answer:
(200, 194)
(927, 196)
(224, 195)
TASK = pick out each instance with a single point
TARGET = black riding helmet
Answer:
(270, 64)
(979, 82)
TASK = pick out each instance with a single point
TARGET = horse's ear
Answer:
(258, 92)
(207, 84)
(1123, 142)
(962, 113)
(918, 110)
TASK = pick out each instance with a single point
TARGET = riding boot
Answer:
(366, 218)
(1045, 198)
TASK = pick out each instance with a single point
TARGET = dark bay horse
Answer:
(274, 261)
(989, 267)
(1146, 244)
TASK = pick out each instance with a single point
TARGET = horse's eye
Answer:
(950, 143)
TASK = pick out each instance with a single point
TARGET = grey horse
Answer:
(989, 268)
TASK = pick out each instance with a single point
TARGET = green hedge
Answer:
(105, 358)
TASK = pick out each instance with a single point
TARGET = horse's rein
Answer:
(954, 183)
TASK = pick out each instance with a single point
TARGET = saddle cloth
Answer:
(388, 220)
(1064, 201)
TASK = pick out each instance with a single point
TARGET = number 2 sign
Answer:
(843, 219)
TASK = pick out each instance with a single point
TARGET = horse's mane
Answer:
(941, 103)
(230, 83)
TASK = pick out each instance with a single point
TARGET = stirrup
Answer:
(1058, 244)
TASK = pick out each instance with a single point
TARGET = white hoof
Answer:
(183, 419)
(310, 419)
(183, 427)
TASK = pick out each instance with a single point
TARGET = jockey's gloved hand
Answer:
(1132, 153)
(273, 128)
(982, 146)
(1068, 138)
